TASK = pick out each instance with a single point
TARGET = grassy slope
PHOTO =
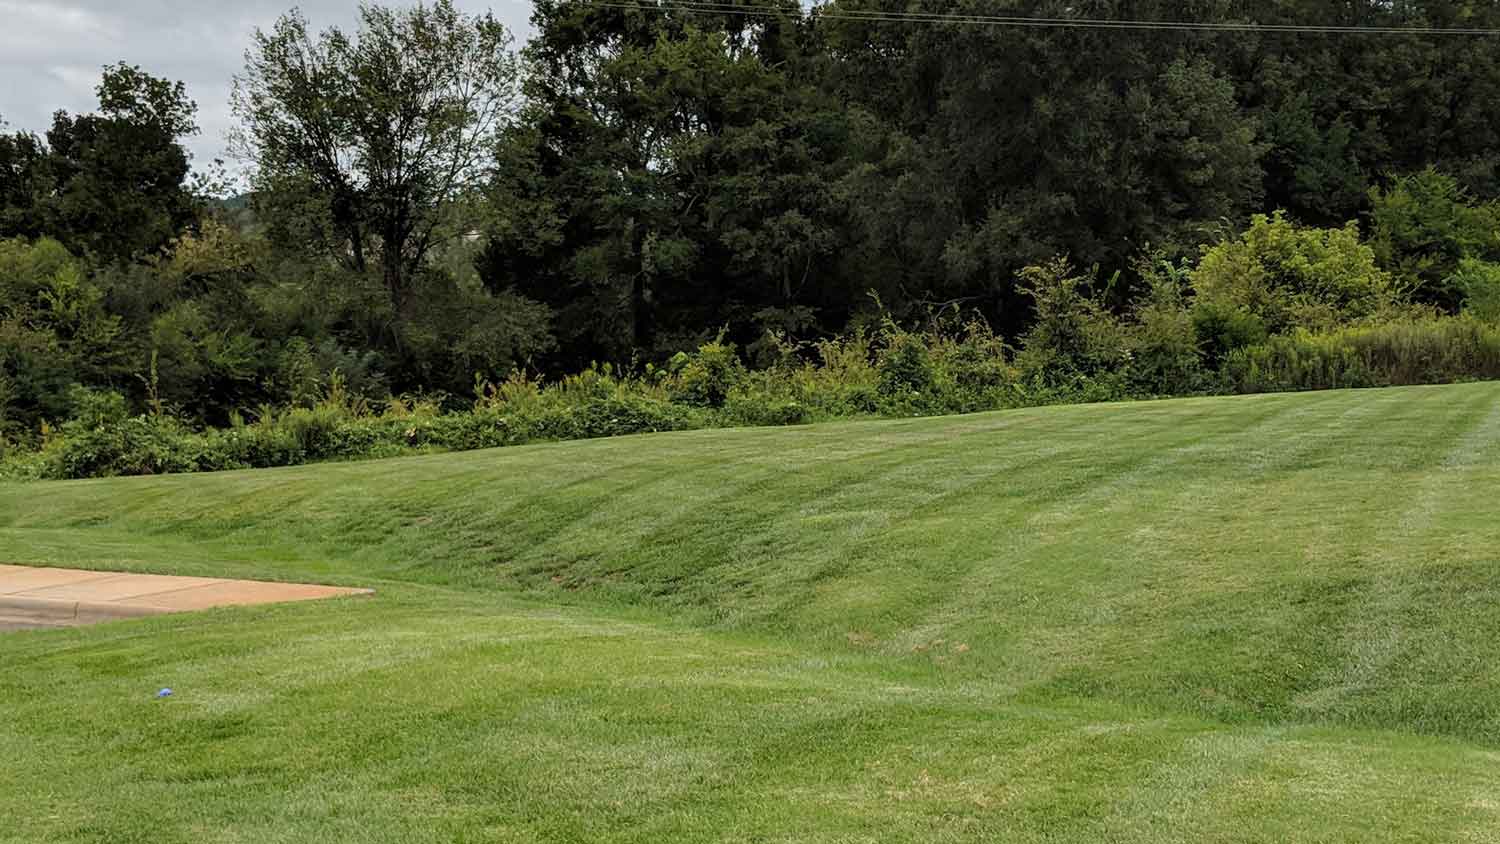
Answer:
(1224, 619)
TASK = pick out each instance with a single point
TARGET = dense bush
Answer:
(1279, 308)
(1424, 226)
(1478, 282)
(953, 369)
(1288, 276)
(947, 368)
(705, 379)
(54, 332)
(1073, 335)
(1166, 349)
(828, 379)
(102, 441)
(1220, 328)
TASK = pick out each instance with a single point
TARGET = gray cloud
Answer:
(51, 51)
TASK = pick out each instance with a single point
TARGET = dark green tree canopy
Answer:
(112, 183)
(674, 173)
(685, 168)
(429, 207)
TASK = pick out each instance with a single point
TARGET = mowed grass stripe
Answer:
(444, 716)
(1242, 619)
(1211, 556)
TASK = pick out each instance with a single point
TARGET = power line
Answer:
(887, 16)
(709, 6)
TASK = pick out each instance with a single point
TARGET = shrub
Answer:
(1424, 227)
(305, 372)
(1163, 335)
(705, 378)
(605, 417)
(461, 431)
(93, 409)
(905, 366)
(1073, 334)
(314, 431)
(1479, 284)
(974, 368)
(1220, 328)
(843, 381)
(100, 439)
(759, 409)
(247, 447)
(1302, 361)
(55, 330)
(1287, 276)
(141, 445)
(977, 359)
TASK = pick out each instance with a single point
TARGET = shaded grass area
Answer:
(1232, 619)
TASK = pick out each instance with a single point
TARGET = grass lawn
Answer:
(1229, 619)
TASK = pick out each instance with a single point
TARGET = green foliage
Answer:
(950, 367)
(55, 330)
(25, 183)
(304, 371)
(758, 408)
(905, 367)
(1479, 283)
(1424, 227)
(111, 184)
(375, 140)
(1313, 165)
(453, 331)
(1076, 351)
(94, 409)
(1389, 354)
(372, 150)
(1220, 328)
(1073, 335)
(1289, 276)
(867, 215)
(827, 379)
(102, 439)
(674, 172)
(1163, 333)
(706, 378)
(140, 445)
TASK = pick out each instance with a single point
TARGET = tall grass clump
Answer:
(1431, 351)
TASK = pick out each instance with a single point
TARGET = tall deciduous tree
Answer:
(368, 145)
(112, 183)
(121, 173)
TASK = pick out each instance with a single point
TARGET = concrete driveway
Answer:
(52, 597)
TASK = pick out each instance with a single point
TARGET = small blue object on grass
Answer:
(164, 693)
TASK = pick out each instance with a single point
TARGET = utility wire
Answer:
(890, 16)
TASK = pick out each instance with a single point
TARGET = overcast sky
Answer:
(51, 51)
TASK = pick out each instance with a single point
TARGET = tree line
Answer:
(430, 204)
